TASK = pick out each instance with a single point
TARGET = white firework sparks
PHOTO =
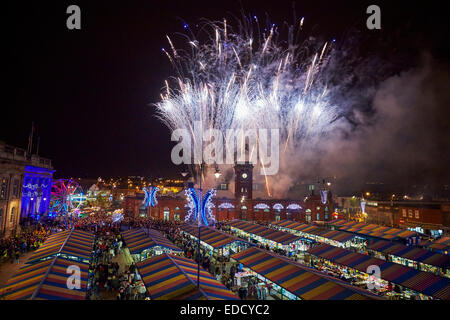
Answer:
(247, 78)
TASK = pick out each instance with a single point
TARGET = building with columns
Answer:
(25, 187)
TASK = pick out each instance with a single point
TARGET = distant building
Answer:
(25, 187)
(240, 205)
(429, 218)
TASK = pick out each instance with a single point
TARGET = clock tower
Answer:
(243, 185)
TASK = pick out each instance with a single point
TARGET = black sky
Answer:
(89, 92)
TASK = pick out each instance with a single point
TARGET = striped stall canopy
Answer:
(47, 280)
(71, 243)
(419, 281)
(281, 237)
(293, 278)
(55, 285)
(412, 253)
(210, 236)
(169, 277)
(442, 245)
(138, 240)
(339, 236)
(376, 231)
(22, 285)
(289, 224)
(337, 222)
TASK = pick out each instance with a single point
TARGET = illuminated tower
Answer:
(243, 180)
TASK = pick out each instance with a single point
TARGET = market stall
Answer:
(168, 277)
(217, 244)
(71, 244)
(289, 281)
(46, 280)
(316, 234)
(412, 257)
(145, 243)
(274, 239)
(414, 282)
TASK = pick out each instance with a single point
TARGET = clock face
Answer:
(244, 175)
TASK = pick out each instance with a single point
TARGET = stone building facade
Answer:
(25, 181)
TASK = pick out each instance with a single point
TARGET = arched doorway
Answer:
(176, 215)
(243, 212)
(308, 215)
(166, 213)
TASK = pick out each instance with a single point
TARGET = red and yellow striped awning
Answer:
(48, 280)
(169, 277)
(302, 283)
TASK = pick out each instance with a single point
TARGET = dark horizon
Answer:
(90, 92)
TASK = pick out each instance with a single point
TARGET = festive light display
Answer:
(226, 205)
(294, 206)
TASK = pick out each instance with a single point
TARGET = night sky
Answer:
(90, 92)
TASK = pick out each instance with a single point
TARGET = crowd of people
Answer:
(29, 239)
(105, 275)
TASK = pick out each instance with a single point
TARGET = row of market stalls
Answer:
(267, 236)
(409, 256)
(376, 231)
(47, 274)
(441, 245)
(413, 282)
(317, 234)
(145, 243)
(218, 244)
(170, 277)
(413, 257)
(290, 281)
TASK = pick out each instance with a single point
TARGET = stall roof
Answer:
(442, 244)
(75, 243)
(337, 222)
(168, 277)
(265, 232)
(374, 230)
(340, 236)
(412, 253)
(138, 240)
(46, 280)
(210, 236)
(300, 282)
(419, 281)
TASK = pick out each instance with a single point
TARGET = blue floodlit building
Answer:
(25, 187)
(36, 192)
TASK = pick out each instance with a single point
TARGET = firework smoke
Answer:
(258, 77)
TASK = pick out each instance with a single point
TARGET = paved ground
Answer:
(7, 269)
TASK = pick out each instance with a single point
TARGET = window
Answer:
(318, 216)
(4, 188)
(166, 214)
(13, 213)
(255, 186)
(410, 213)
(16, 188)
(223, 186)
(326, 215)
(416, 213)
(404, 212)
